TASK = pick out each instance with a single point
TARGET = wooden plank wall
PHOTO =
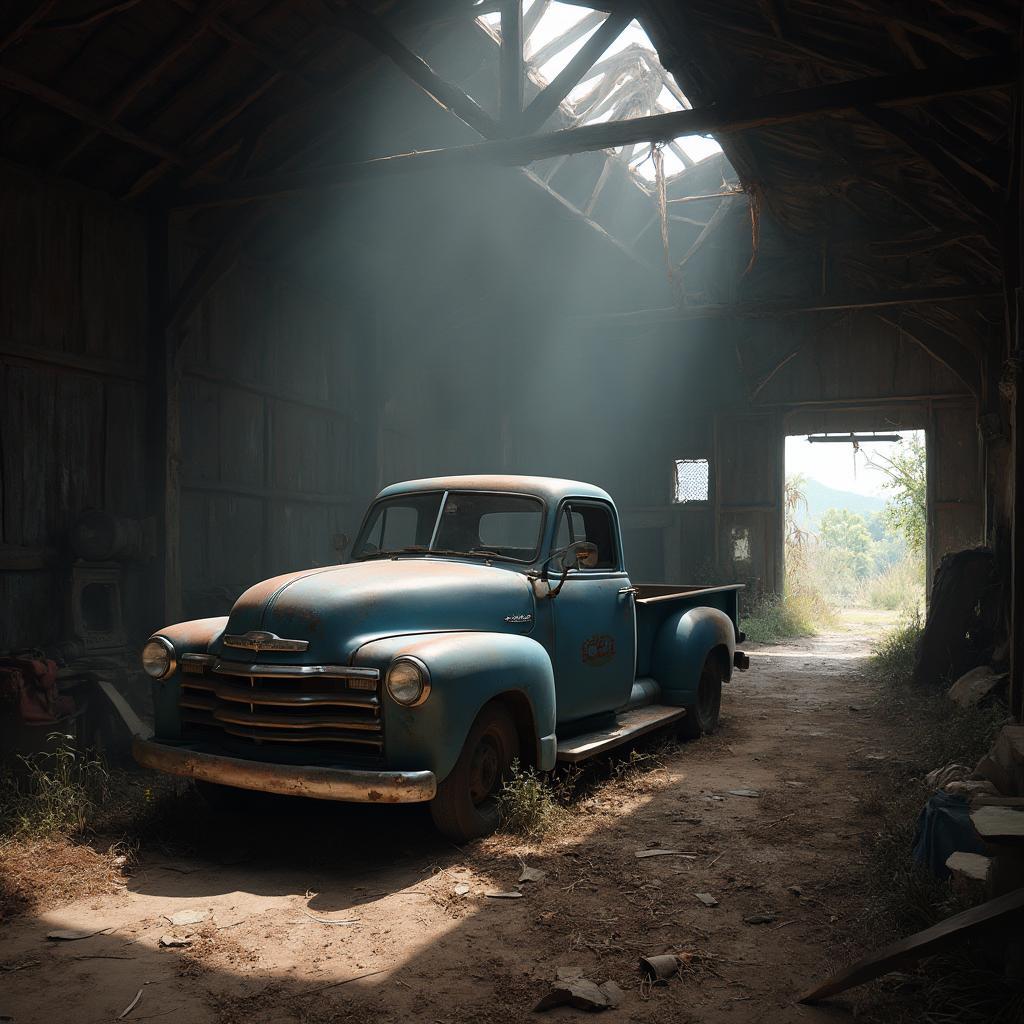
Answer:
(270, 424)
(73, 365)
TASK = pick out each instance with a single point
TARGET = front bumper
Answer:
(290, 780)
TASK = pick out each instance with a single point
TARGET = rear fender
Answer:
(681, 647)
(467, 670)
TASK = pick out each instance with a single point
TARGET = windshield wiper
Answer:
(419, 549)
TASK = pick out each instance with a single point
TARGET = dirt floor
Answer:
(318, 913)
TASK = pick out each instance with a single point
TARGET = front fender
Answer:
(681, 646)
(466, 671)
(196, 636)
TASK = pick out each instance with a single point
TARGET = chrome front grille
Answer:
(335, 705)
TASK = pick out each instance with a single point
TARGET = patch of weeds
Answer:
(800, 612)
(898, 897)
(53, 792)
(528, 804)
(892, 657)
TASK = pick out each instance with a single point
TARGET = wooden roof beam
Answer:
(793, 307)
(42, 93)
(981, 199)
(22, 28)
(152, 68)
(511, 66)
(546, 102)
(371, 29)
(980, 75)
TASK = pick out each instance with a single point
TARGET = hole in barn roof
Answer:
(627, 81)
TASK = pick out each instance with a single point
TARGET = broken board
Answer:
(953, 931)
(628, 725)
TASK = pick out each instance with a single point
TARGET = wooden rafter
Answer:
(152, 68)
(511, 69)
(980, 75)
(373, 31)
(706, 232)
(14, 80)
(89, 18)
(942, 347)
(547, 100)
(566, 38)
(794, 307)
(22, 28)
(981, 200)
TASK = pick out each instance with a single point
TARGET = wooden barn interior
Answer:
(261, 258)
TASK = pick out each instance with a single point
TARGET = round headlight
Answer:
(158, 658)
(408, 681)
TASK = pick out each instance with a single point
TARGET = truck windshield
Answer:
(472, 523)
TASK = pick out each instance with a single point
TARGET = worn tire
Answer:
(702, 716)
(466, 805)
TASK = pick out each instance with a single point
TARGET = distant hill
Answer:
(820, 498)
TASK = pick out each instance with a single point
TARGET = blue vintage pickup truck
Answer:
(481, 619)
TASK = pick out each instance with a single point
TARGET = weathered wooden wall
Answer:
(270, 419)
(73, 418)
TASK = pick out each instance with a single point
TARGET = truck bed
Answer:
(656, 601)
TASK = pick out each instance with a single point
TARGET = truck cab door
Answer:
(594, 619)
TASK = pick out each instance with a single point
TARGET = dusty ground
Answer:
(801, 729)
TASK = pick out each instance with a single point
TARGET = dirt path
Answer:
(800, 729)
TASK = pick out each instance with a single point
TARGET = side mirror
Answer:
(586, 554)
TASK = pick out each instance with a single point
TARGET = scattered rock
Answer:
(759, 919)
(707, 899)
(462, 889)
(175, 941)
(578, 992)
(613, 993)
(513, 895)
(187, 917)
(973, 866)
(973, 687)
(744, 792)
(73, 934)
(532, 874)
(796, 890)
(1003, 765)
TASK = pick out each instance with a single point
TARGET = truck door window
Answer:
(592, 523)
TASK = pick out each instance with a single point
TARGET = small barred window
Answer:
(691, 481)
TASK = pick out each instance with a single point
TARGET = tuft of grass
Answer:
(892, 656)
(800, 612)
(55, 792)
(529, 805)
(900, 587)
(897, 896)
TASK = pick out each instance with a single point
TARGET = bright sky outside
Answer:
(836, 466)
(557, 19)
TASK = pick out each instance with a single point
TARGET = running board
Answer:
(628, 726)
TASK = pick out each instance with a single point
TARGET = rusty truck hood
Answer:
(338, 609)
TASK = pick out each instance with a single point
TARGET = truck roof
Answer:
(546, 487)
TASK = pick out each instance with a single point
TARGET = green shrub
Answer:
(528, 804)
(57, 791)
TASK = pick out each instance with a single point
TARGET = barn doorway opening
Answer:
(855, 530)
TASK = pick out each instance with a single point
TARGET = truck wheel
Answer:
(702, 716)
(466, 805)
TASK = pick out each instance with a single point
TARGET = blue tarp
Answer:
(944, 827)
